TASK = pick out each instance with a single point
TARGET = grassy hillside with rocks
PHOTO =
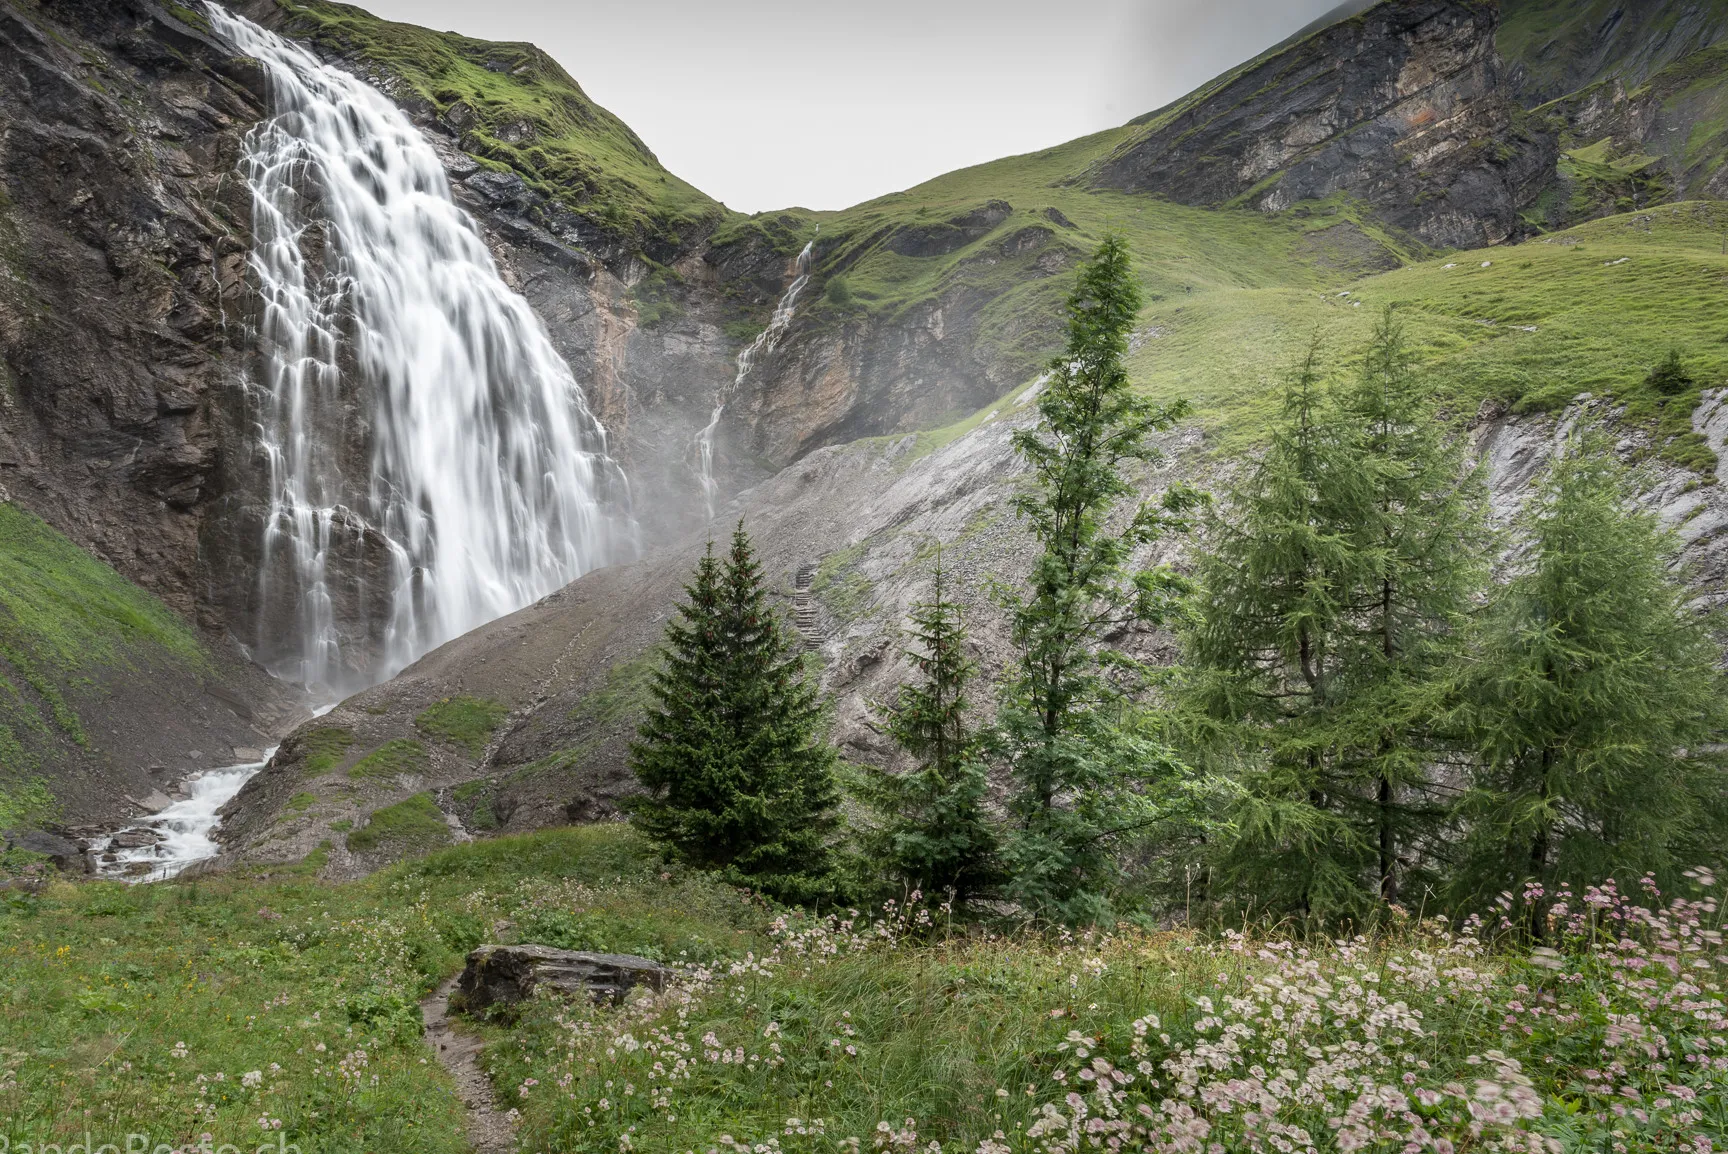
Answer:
(1530, 327)
(514, 108)
(271, 1007)
(72, 633)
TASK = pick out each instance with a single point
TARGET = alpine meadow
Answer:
(1203, 639)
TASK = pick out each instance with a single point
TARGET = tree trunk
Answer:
(1388, 855)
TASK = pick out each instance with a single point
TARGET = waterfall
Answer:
(432, 464)
(764, 344)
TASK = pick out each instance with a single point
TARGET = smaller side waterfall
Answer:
(182, 831)
(765, 343)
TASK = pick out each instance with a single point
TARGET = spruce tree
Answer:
(1080, 767)
(731, 752)
(1335, 590)
(930, 831)
(1593, 698)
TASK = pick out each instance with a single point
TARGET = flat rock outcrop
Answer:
(505, 975)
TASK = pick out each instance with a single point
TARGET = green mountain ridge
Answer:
(515, 108)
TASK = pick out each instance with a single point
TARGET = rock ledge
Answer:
(505, 975)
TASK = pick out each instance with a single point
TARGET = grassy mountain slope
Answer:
(68, 622)
(985, 252)
(517, 108)
(1593, 309)
(1178, 248)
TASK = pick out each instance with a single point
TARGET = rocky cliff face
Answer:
(1559, 47)
(125, 257)
(122, 252)
(1401, 108)
(847, 373)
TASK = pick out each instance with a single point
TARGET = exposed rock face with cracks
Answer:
(1401, 108)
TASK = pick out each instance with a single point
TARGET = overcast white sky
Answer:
(773, 103)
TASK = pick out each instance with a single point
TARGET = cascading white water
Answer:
(764, 344)
(483, 481)
(184, 827)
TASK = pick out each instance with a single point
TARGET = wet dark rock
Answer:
(122, 242)
(502, 976)
(66, 854)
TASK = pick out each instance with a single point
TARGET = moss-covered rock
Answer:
(413, 826)
(390, 760)
(462, 720)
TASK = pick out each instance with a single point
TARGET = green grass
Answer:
(525, 114)
(1606, 300)
(64, 608)
(480, 793)
(839, 1041)
(24, 802)
(623, 696)
(190, 16)
(464, 721)
(99, 982)
(840, 586)
(1179, 252)
(323, 749)
(390, 760)
(408, 827)
(65, 619)
(124, 1003)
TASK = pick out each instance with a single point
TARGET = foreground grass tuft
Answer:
(403, 755)
(205, 1006)
(406, 827)
(64, 617)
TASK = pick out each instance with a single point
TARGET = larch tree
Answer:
(1594, 699)
(1417, 511)
(1335, 589)
(930, 831)
(1080, 767)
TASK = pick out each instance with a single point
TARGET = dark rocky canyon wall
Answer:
(126, 239)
